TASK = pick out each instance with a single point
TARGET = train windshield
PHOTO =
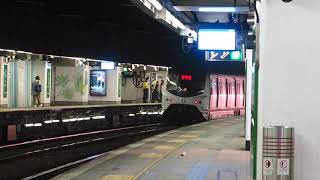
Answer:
(185, 84)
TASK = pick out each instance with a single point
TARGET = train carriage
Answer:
(189, 95)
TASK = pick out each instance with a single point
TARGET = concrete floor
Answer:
(214, 150)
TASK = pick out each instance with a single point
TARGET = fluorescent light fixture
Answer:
(217, 9)
(48, 122)
(174, 21)
(147, 4)
(37, 124)
(86, 118)
(73, 119)
(55, 121)
(66, 120)
(143, 112)
(28, 125)
(156, 4)
(131, 115)
(98, 117)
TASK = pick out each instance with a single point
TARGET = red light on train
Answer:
(185, 77)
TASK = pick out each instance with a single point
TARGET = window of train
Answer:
(216, 86)
(186, 87)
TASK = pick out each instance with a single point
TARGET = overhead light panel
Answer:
(217, 9)
(156, 4)
(174, 21)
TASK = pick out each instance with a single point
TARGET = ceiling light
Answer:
(37, 124)
(174, 21)
(217, 9)
(156, 4)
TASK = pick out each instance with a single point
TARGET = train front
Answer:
(186, 96)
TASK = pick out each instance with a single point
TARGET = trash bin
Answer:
(278, 153)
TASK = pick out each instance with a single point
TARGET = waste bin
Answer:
(278, 153)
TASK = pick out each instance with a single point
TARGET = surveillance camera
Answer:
(286, 1)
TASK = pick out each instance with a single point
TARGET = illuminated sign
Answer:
(185, 77)
(223, 55)
(107, 65)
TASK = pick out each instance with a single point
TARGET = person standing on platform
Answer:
(153, 91)
(157, 91)
(160, 91)
(145, 87)
(36, 91)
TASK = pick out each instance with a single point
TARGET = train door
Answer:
(243, 92)
(213, 93)
(230, 93)
(222, 93)
(239, 93)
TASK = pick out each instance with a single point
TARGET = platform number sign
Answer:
(283, 167)
(267, 166)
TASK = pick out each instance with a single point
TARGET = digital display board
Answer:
(185, 77)
(216, 39)
(107, 65)
(98, 83)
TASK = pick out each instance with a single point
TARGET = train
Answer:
(202, 95)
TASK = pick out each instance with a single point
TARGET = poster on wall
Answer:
(98, 83)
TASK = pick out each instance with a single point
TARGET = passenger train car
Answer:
(203, 95)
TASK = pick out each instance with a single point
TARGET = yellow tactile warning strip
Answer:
(149, 139)
(164, 147)
(160, 158)
(215, 126)
(117, 177)
(196, 132)
(177, 141)
(187, 136)
(150, 155)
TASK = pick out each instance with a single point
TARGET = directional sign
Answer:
(267, 166)
(283, 167)
(223, 55)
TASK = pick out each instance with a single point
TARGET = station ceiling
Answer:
(114, 30)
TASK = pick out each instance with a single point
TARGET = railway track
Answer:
(46, 158)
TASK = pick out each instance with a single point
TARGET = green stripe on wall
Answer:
(28, 82)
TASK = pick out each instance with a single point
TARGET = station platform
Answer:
(74, 107)
(212, 150)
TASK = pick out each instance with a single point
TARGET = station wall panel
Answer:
(71, 85)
